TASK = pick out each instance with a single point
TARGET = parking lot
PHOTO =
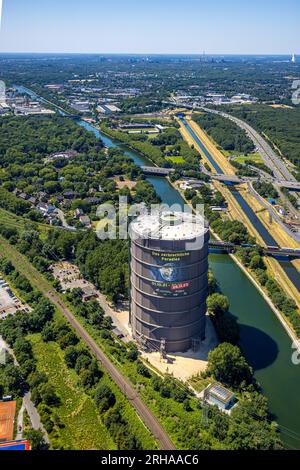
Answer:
(9, 303)
(69, 276)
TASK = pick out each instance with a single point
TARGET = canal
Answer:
(287, 267)
(265, 343)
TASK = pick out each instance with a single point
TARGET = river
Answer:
(287, 267)
(265, 343)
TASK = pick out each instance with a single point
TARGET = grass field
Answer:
(24, 267)
(212, 149)
(175, 159)
(83, 428)
(253, 157)
(144, 131)
(169, 412)
(126, 367)
(11, 220)
(199, 383)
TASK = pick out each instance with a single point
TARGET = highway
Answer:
(269, 156)
(243, 179)
(273, 213)
(40, 283)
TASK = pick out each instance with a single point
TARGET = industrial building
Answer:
(169, 266)
(217, 394)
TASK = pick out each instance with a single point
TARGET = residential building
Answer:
(85, 220)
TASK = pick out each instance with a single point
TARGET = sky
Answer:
(156, 26)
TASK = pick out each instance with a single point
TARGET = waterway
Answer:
(265, 343)
(287, 267)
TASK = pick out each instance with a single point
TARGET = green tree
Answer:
(48, 395)
(104, 398)
(227, 365)
(36, 440)
(218, 303)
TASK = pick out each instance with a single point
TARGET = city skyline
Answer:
(234, 27)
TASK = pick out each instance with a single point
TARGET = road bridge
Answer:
(293, 185)
(275, 251)
(273, 161)
(234, 179)
(155, 170)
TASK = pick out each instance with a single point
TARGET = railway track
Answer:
(26, 269)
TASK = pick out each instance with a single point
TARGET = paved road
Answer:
(19, 435)
(65, 224)
(109, 311)
(25, 267)
(34, 416)
(27, 404)
(273, 213)
(269, 156)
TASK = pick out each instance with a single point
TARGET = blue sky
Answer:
(156, 26)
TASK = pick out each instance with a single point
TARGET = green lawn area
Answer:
(11, 220)
(199, 383)
(253, 157)
(225, 152)
(83, 428)
(128, 369)
(152, 136)
(175, 159)
(19, 223)
(172, 415)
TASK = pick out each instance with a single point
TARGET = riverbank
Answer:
(118, 136)
(278, 314)
(287, 279)
(274, 268)
(217, 155)
(264, 341)
(249, 274)
(273, 265)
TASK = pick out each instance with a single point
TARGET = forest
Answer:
(280, 125)
(89, 176)
(225, 133)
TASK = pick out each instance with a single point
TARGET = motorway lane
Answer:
(271, 159)
(25, 268)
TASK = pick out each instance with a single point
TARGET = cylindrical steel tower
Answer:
(169, 266)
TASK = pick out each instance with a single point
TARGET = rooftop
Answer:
(221, 393)
(7, 415)
(169, 226)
